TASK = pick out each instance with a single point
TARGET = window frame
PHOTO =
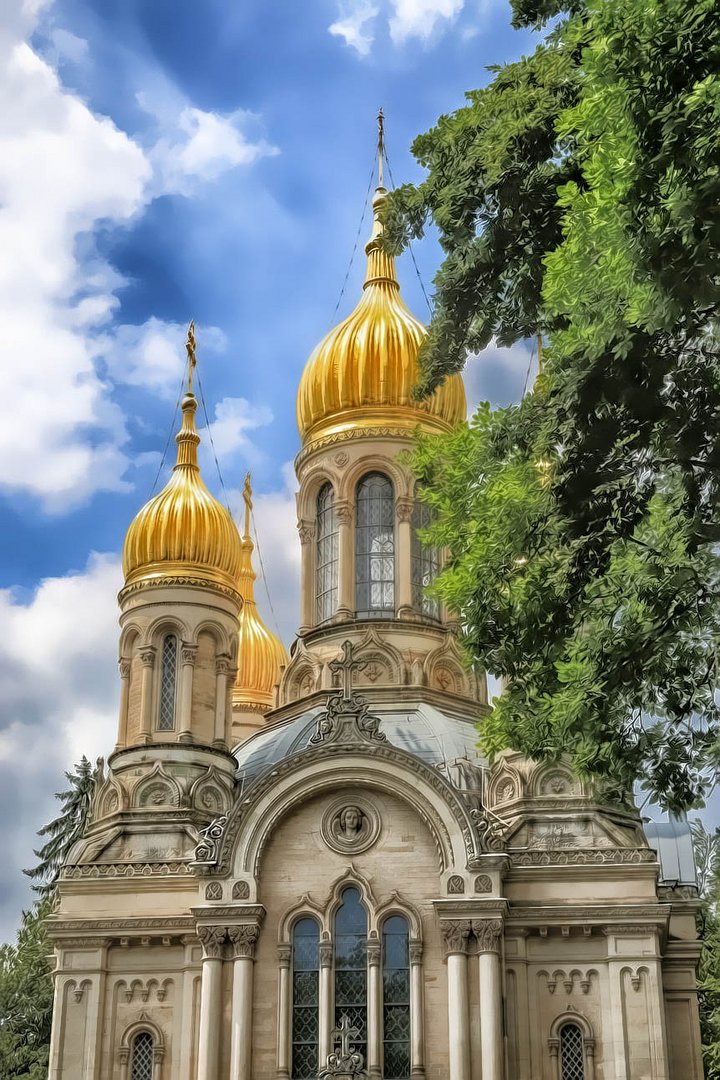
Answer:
(326, 600)
(425, 562)
(385, 508)
(166, 636)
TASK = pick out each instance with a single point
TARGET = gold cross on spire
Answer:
(191, 357)
(247, 496)
(381, 145)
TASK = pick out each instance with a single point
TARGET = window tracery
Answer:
(143, 1047)
(326, 562)
(351, 966)
(572, 1053)
(396, 998)
(168, 683)
(375, 547)
(305, 998)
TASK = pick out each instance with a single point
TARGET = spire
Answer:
(187, 438)
(247, 574)
(381, 145)
(380, 266)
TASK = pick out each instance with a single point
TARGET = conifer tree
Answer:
(64, 830)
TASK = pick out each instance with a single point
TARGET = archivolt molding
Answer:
(313, 480)
(324, 913)
(320, 769)
(373, 463)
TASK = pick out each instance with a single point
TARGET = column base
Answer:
(185, 737)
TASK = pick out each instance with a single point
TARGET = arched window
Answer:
(351, 966)
(375, 548)
(326, 556)
(425, 562)
(572, 1053)
(168, 683)
(306, 998)
(142, 1056)
(396, 999)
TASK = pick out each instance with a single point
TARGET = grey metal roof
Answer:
(672, 840)
(422, 730)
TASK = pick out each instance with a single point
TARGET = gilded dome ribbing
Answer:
(363, 372)
(183, 532)
(261, 654)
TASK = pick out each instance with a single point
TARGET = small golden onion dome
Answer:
(363, 373)
(261, 655)
(183, 532)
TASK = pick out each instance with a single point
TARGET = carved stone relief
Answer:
(241, 891)
(214, 891)
(350, 825)
(455, 885)
(483, 884)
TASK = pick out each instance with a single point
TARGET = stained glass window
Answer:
(168, 683)
(326, 556)
(305, 998)
(425, 562)
(142, 1056)
(572, 1053)
(396, 999)
(351, 966)
(375, 548)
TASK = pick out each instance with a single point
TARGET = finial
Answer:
(381, 144)
(192, 359)
(247, 496)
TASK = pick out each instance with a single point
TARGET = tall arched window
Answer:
(572, 1053)
(396, 999)
(305, 998)
(168, 683)
(326, 556)
(351, 966)
(375, 547)
(425, 562)
(142, 1056)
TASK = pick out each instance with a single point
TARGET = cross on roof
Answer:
(343, 1033)
(347, 666)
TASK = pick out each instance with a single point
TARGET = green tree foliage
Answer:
(26, 991)
(65, 829)
(26, 997)
(706, 847)
(578, 194)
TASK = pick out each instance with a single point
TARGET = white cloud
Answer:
(499, 374)
(152, 354)
(405, 19)
(353, 24)
(234, 418)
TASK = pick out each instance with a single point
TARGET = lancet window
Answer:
(326, 556)
(143, 1047)
(351, 966)
(425, 562)
(305, 998)
(168, 683)
(572, 1053)
(375, 547)
(396, 999)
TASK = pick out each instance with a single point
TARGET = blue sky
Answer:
(162, 160)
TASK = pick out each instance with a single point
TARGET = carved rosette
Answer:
(243, 939)
(455, 934)
(487, 934)
(212, 939)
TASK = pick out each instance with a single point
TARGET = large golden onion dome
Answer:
(261, 654)
(184, 532)
(363, 373)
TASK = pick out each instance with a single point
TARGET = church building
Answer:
(300, 865)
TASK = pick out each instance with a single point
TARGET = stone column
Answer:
(346, 560)
(242, 939)
(125, 666)
(417, 1011)
(222, 670)
(325, 1009)
(187, 1015)
(455, 939)
(306, 532)
(374, 1007)
(147, 658)
(188, 654)
(403, 558)
(212, 939)
(284, 1011)
(488, 933)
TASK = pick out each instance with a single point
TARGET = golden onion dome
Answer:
(363, 372)
(183, 532)
(261, 654)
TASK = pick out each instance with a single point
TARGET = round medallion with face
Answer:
(350, 825)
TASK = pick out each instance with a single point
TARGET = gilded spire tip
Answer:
(247, 496)
(381, 144)
(191, 356)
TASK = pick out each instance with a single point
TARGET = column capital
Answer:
(326, 954)
(188, 653)
(212, 939)
(487, 934)
(243, 939)
(416, 952)
(306, 531)
(223, 665)
(284, 953)
(455, 934)
(125, 664)
(373, 952)
(343, 512)
(404, 508)
(147, 655)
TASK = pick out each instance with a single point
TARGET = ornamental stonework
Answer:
(350, 825)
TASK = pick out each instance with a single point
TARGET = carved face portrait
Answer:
(350, 827)
(351, 821)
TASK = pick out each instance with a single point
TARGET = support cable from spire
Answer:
(410, 249)
(191, 363)
(357, 237)
(263, 575)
